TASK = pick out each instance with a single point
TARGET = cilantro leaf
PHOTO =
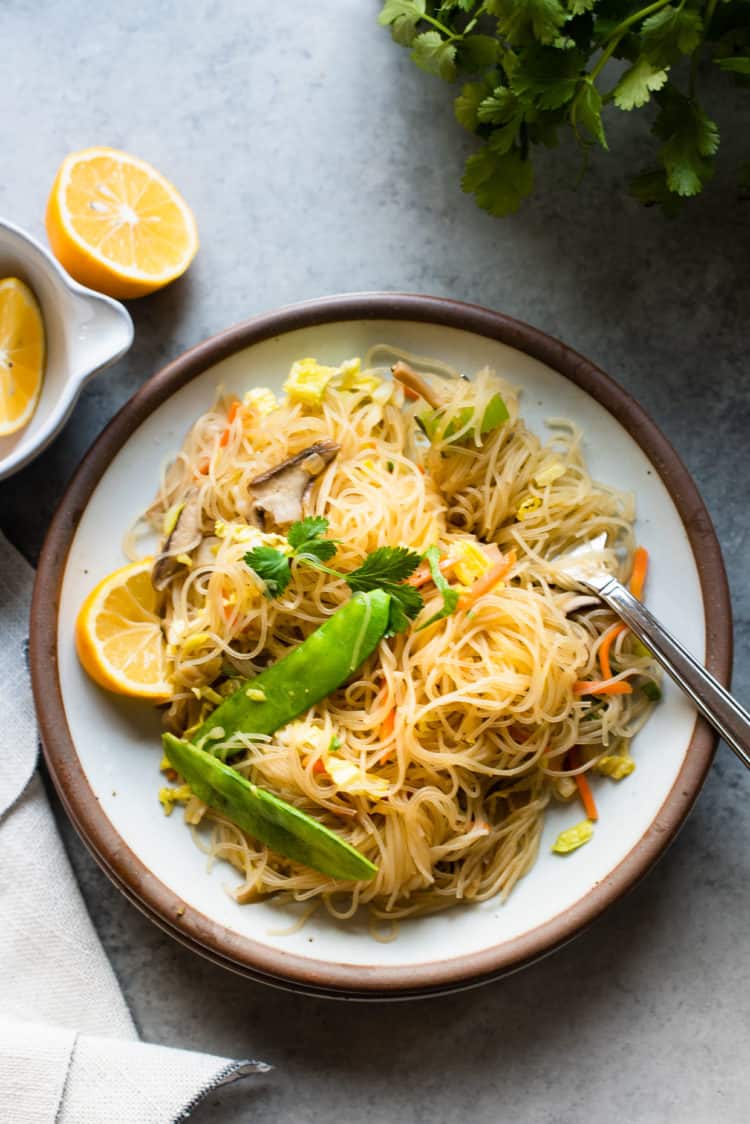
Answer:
(521, 21)
(306, 539)
(587, 111)
(385, 569)
(670, 33)
(449, 595)
(402, 16)
(434, 54)
(477, 52)
(637, 84)
(549, 78)
(396, 9)
(466, 105)
(321, 549)
(272, 567)
(304, 530)
(387, 563)
(500, 181)
(691, 139)
(498, 107)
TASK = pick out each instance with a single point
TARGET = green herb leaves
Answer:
(386, 569)
(539, 66)
(272, 567)
(306, 540)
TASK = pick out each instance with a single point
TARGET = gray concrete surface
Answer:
(319, 160)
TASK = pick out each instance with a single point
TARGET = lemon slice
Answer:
(117, 225)
(119, 636)
(21, 354)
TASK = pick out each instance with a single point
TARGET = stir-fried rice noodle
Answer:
(460, 731)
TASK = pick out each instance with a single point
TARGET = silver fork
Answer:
(714, 702)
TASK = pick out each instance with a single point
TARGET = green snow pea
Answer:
(432, 422)
(312, 670)
(281, 826)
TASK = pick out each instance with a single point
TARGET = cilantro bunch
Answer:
(538, 67)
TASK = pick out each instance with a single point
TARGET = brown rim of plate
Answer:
(189, 925)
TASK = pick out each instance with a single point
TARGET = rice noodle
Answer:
(484, 702)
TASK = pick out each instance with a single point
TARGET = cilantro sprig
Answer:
(539, 67)
(385, 568)
(306, 540)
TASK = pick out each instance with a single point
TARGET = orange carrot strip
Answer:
(319, 765)
(601, 687)
(409, 393)
(386, 726)
(638, 576)
(605, 646)
(584, 789)
(488, 581)
(203, 466)
(231, 415)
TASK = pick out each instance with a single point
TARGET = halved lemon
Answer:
(119, 636)
(117, 225)
(21, 354)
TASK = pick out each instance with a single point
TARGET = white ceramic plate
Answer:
(104, 752)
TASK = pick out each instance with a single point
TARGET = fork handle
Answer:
(713, 701)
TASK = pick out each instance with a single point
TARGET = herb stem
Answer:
(440, 26)
(620, 30)
(695, 57)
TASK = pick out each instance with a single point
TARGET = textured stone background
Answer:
(318, 160)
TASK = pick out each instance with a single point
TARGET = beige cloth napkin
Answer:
(69, 1052)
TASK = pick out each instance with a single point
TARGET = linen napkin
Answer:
(69, 1051)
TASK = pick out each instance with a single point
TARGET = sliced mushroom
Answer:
(404, 374)
(277, 495)
(184, 537)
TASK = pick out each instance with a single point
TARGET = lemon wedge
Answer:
(119, 637)
(21, 354)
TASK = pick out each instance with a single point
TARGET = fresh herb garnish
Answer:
(306, 540)
(272, 567)
(386, 568)
(536, 67)
(449, 595)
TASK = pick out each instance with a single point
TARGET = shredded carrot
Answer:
(584, 788)
(234, 409)
(605, 646)
(319, 766)
(488, 581)
(203, 465)
(386, 726)
(409, 393)
(638, 576)
(601, 687)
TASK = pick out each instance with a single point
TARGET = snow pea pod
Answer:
(281, 826)
(433, 422)
(312, 670)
